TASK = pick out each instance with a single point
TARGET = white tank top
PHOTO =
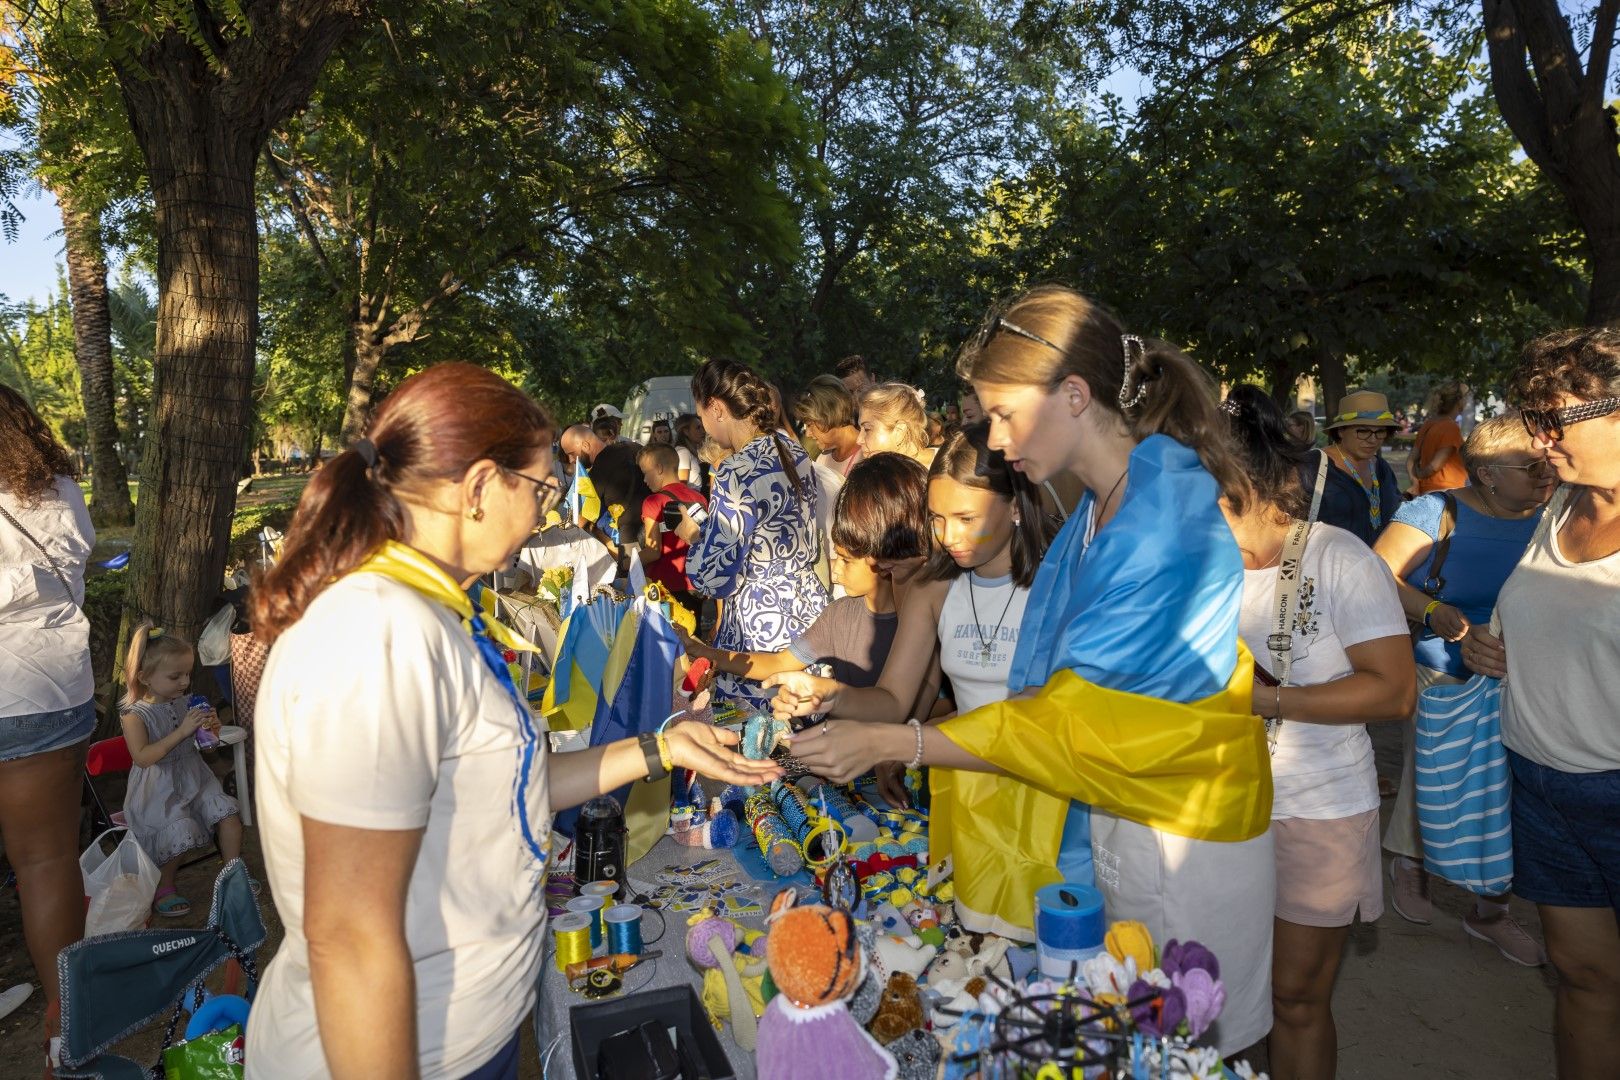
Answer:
(977, 652)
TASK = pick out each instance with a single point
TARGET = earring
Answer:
(1017, 521)
(475, 514)
(1493, 489)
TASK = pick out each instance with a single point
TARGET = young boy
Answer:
(662, 552)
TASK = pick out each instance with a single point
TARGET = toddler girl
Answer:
(174, 802)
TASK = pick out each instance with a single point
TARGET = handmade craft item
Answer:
(815, 961)
(762, 735)
(710, 943)
(900, 1011)
(771, 833)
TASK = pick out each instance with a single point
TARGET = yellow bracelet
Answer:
(1429, 610)
(827, 824)
(663, 754)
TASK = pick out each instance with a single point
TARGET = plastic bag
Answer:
(214, 643)
(119, 887)
(216, 1056)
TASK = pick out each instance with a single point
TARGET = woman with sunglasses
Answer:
(1359, 490)
(1487, 528)
(1560, 652)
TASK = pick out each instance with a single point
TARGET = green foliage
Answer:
(1364, 203)
(36, 359)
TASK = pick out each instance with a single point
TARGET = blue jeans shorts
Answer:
(38, 733)
(1566, 835)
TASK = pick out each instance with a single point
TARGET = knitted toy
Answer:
(762, 735)
(901, 1010)
(895, 955)
(750, 961)
(717, 828)
(918, 1054)
(815, 961)
(710, 942)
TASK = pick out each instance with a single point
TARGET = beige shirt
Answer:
(1561, 623)
(44, 636)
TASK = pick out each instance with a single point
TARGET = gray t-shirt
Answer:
(850, 638)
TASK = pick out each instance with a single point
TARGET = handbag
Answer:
(1463, 786)
(1435, 583)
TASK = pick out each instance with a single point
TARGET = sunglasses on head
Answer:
(1550, 423)
(998, 324)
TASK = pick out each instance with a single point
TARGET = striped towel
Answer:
(1463, 786)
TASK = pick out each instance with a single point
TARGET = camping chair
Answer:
(116, 984)
(109, 757)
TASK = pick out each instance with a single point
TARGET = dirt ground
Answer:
(1413, 1001)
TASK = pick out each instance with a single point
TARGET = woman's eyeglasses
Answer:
(1536, 470)
(1369, 432)
(545, 491)
(998, 324)
(1549, 424)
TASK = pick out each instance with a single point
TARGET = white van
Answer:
(663, 398)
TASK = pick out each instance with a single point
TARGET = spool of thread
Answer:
(604, 889)
(573, 936)
(782, 853)
(841, 808)
(623, 925)
(591, 907)
(1069, 927)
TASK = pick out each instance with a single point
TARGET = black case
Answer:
(698, 1049)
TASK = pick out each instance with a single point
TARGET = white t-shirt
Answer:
(1561, 624)
(376, 712)
(44, 636)
(978, 652)
(688, 465)
(1346, 597)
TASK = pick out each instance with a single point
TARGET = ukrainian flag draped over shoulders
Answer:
(1141, 688)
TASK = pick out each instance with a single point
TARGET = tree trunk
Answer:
(1283, 381)
(110, 504)
(1331, 382)
(368, 354)
(1558, 113)
(200, 117)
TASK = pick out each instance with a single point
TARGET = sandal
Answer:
(170, 904)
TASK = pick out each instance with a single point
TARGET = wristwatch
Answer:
(648, 742)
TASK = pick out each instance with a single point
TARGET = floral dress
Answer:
(757, 553)
(173, 806)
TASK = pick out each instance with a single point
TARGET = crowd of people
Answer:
(1135, 631)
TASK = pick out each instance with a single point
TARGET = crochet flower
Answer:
(1184, 956)
(1157, 1012)
(1105, 975)
(1205, 997)
(1131, 940)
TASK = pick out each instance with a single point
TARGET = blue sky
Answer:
(28, 267)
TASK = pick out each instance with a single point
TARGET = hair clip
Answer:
(1231, 407)
(367, 451)
(1125, 342)
(154, 632)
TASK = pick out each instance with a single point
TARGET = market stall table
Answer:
(670, 969)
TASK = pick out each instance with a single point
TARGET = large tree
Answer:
(633, 136)
(1354, 208)
(204, 84)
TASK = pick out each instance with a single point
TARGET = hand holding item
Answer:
(1484, 653)
(799, 693)
(712, 751)
(891, 784)
(195, 718)
(689, 527)
(1448, 623)
(841, 750)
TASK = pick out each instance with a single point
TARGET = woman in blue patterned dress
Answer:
(756, 551)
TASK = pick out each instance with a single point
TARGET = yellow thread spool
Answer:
(573, 936)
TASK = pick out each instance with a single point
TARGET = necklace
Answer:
(1103, 508)
(987, 646)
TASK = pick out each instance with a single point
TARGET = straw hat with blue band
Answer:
(1363, 408)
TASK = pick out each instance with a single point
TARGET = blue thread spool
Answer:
(1069, 927)
(623, 925)
(590, 906)
(838, 806)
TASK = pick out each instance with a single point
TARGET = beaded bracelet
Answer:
(916, 762)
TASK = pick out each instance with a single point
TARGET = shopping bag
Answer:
(118, 887)
(1463, 786)
(215, 1056)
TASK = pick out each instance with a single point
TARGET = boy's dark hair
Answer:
(854, 364)
(966, 457)
(661, 454)
(882, 509)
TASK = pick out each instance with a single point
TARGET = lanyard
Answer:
(1280, 642)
